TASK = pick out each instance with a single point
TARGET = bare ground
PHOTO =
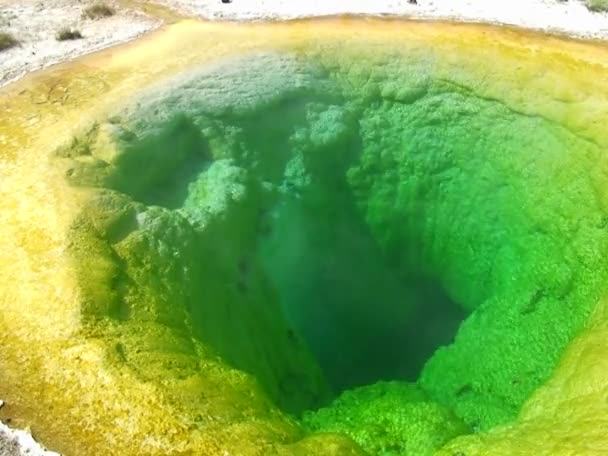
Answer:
(34, 24)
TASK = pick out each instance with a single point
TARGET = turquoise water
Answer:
(328, 224)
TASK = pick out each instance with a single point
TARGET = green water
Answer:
(326, 224)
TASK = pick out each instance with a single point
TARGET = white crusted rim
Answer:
(569, 17)
(35, 25)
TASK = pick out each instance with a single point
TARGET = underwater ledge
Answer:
(169, 246)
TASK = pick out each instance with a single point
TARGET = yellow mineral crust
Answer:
(567, 415)
(58, 378)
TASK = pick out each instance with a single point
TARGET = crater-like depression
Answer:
(386, 248)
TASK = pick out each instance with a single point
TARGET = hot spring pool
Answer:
(341, 236)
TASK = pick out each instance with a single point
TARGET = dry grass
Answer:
(99, 10)
(597, 5)
(68, 34)
(7, 41)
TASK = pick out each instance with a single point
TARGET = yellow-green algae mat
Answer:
(145, 196)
